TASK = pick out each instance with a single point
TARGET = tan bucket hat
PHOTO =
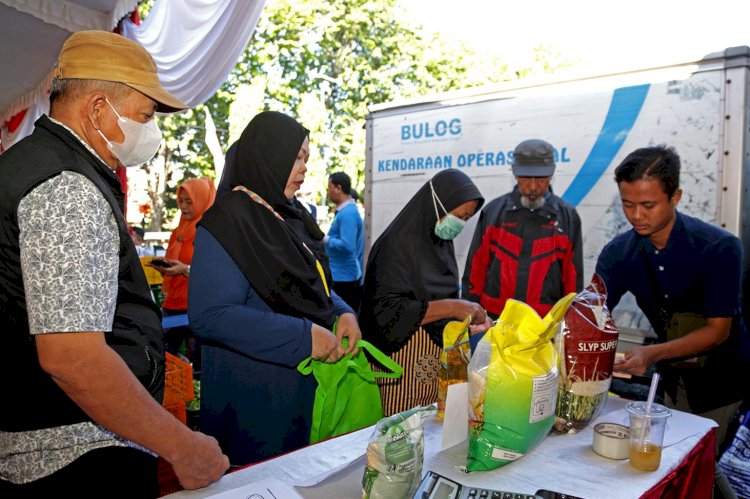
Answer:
(105, 56)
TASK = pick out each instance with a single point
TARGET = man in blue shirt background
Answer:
(345, 240)
(685, 276)
(359, 203)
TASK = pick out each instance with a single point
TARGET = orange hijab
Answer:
(202, 193)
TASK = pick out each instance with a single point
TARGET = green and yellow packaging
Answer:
(513, 385)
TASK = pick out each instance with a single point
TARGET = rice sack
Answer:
(454, 360)
(513, 385)
(395, 455)
(586, 344)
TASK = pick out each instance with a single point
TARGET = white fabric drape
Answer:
(73, 16)
(195, 44)
(34, 111)
(36, 31)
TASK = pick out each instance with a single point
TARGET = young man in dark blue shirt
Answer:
(685, 276)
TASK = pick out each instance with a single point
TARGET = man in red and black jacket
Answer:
(527, 244)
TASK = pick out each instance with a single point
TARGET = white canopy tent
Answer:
(195, 44)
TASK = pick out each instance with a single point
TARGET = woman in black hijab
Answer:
(260, 298)
(411, 286)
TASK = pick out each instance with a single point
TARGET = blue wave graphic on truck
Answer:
(623, 111)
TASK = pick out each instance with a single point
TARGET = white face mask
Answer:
(142, 140)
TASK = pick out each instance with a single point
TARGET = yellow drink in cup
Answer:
(647, 427)
(646, 457)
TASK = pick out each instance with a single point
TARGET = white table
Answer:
(564, 463)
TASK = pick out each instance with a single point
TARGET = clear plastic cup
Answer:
(646, 434)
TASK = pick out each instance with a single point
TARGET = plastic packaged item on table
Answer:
(395, 455)
(454, 360)
(586, 344)
(513, 385)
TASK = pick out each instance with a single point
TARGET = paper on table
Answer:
(268, 488)
(678, 428)
(456, 420)
(312, 481)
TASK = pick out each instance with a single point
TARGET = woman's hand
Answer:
(464, 308)
(453, 308)
(174, 267)
(480, 328)
(348, 327)
(325, 345)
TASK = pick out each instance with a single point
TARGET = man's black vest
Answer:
(31, 399)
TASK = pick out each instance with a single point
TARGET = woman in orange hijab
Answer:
(194, 197)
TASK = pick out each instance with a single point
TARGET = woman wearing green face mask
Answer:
(411, 286)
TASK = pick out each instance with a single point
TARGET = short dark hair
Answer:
(138, 231)
(342, 180)
(659, 163)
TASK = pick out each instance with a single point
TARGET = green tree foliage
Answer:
(325, 62)
(183, 155)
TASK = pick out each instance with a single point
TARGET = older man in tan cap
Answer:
(83, 370)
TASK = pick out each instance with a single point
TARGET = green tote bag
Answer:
(347, 397)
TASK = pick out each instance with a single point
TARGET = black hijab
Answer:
(229, 161)
(409, 265)
(278, 257)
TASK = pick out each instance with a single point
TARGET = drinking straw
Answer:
(652, 392)
(645, 430)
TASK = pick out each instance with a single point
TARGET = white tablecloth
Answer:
(564, 463)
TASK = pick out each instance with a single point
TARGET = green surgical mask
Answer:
(449, 227)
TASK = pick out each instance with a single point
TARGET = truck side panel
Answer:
(592, 132)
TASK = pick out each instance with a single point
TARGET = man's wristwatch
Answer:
(186, 272)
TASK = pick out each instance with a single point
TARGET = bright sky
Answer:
(603, 35)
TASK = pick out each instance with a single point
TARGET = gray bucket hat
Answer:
(534, 158)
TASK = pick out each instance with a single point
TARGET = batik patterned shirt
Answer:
(69, 246)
